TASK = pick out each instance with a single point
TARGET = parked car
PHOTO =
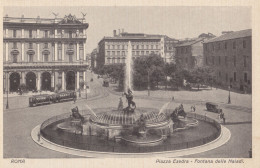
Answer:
(213, 107)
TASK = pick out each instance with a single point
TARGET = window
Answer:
(118, 46)
(133, 53)
(244, 43)
(142, 46)
(113, 60)
(15, 58)
(118, 52)
(30, 58)
(46, 56)
(235, 76)
(147, 52)
(137, 47)
(118, 60)
(234, 45)
(226, 62)
(113, 47)
(113, 52)
(206, 60)
(108, 46)
(218, 46)
(30, 33)
(123, 53)
(70, 58)
(81, 44)
(15, 45)
(151, 46)
(142, 52)
(123, 47)
(70, 34)
(133, 47)
(14, 33)
(147, 46)
(30, 45)
(245, 77)
(235, 60)
(108, 60)
(46, 33)
(108, 53)
(213, 47)
(137, 52)
(213, 60)
(206, 47)
(156, 46)
(245, 61)
(45, 45)
(225, 45)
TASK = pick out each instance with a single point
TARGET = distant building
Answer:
(93, 57)
(112, 50)
(190, 53)
(230, 55)
(43, 52)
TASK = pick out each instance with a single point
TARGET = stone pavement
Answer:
(18, 123)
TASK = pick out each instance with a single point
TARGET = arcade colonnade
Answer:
(44, 79)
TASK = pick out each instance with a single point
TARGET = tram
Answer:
(52, 98)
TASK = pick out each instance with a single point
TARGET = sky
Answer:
(175, 22)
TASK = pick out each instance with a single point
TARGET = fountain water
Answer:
(128, 71)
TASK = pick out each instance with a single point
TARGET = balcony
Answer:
(19, 65)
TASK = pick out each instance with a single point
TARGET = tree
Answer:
(168, 69)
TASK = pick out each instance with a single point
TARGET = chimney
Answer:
(114, 33)
(119, 32)
(22, 18)
(122, 30)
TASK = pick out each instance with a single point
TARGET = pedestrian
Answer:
(39, 136)
(172, 98)
(74, 99)
(194, 108)
(223, 118)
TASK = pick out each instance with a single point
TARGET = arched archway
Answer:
(31, 81)
(70, 80)
(46, 81)
(14, 81)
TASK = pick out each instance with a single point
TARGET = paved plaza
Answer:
(19, 119)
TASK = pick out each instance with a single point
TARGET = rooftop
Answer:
(190, 42)
(232, 35)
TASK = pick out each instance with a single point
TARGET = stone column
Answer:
(77, 79)
(55, 33)
(23, 77)
(22, 33)
(63, 80)
(77, 45)
(22, 51)
(52, 80)
(38, 52)
(84, 51)
(6, 52)
(56, 51)
(38, 33)
(84, 78)
(63, 51)
(39, 81)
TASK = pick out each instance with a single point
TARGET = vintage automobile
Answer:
(213, 107)
(40, 99)
(105, 83)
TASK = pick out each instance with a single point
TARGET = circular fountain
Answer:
(131, 129)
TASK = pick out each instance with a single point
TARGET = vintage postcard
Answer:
(110, 84)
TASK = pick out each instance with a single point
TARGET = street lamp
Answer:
(148, 82)
(7, 104)
(229, 87)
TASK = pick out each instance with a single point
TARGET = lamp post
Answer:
(148, 82)
(229, 87)
(7, 103)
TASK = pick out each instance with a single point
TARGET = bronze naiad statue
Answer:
(131, 104)
(76, 114)
(179, 111)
